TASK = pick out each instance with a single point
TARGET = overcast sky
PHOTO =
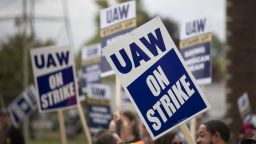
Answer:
(82, 14)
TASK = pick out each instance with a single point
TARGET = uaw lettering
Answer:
(54, 75)
(195, 26)
(118, 13)
(150, 68)
(99, 91)
(195, 48)
(91, 54)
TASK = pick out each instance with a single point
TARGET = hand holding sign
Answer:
(154, 76)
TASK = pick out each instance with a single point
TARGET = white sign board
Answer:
(117, 14)
(195, 47)
(91, 52)
(23, 106)
(195, 27)
(243, 104)
(155, 78)
(99, 91)
(54, 75)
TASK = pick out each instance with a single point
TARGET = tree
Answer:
(218, 59)
(11, 71)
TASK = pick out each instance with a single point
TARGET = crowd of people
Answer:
(126, 128)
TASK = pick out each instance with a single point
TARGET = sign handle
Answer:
(62, 127)
(187, 134)
(193, 127)
(118, 94)
(84, 123)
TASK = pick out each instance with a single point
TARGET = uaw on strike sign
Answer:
(54, 76)
(154, 76)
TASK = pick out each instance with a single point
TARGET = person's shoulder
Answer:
(248, 141)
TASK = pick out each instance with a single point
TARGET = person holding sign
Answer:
(156, 79)
(213, 132)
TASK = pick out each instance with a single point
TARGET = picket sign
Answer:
(23, 106)
(195, 48)
(57, 87)
(156, 79)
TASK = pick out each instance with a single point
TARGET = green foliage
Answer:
(218, 59)
(11, 63)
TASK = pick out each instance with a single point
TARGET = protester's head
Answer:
(130, 126)
(213, 132)
(249, 130)
(169, 138)
(104, 137)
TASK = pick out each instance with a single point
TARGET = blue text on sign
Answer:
(51, 60)
(151, 42)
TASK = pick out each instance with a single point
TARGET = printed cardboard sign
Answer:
(115, 21)
(54, 75)
(195, 47)
(155, 78)
(99, 91)
(23, 106)
(244, 105)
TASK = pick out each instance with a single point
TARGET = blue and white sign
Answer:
(115, 21)
(23, 106)
(91, 74)
(54, 75)
(99, 117)
(155, 78)
(91, 70)
(244, 105)
(195, 47)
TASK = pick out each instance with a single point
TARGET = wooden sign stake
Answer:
(187, 134)
(84, 123)
(62, 127)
